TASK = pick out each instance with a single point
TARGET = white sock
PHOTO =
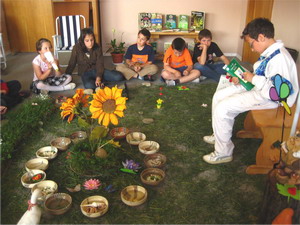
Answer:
(69, 86)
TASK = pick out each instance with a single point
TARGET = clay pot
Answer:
(117, 57)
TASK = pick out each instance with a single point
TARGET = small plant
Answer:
(115, 46)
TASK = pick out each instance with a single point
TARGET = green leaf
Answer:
(83, 123)
(98, 132)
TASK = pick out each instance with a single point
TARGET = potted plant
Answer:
(116, 49)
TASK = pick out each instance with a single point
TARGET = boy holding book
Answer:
(178, 64)
(235, 99)
(203, 56)
(139, 59)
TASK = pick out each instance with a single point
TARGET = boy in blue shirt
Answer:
(139, 59)
(203, 56)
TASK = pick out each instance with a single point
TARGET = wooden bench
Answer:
(267, 125)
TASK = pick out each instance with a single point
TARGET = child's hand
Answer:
(185, 72)
(235, 80)
(248, 76)
(203, 47)
(3, 109)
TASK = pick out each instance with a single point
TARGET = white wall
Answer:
(225, 18)
(286, 19)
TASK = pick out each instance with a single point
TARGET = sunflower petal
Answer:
(121, 100)
(113, 119)
(119, 113)
(120, 107)
(106, 120)
(101, 117)
(107, 92)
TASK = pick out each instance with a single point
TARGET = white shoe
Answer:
(70, 86)
(98, 88)
(202, 78)
(215, 158)
(209, 139)
(170, 82)
(88, 91)
(197, 80)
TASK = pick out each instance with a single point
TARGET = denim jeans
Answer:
(88, 78)
(212, 71)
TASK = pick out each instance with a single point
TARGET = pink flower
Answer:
(92, 184)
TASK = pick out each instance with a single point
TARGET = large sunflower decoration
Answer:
(74, 105)
(107, 104)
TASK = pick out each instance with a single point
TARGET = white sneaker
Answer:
(197, 80)
(88, 91)
(209, 139)
(215, 158)
(170, 82)
(70, 86)
(202, 78)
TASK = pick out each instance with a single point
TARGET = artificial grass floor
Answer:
(193, 191)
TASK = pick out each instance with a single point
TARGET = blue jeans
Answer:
(181, 69)
(212, 71)
(88, 78)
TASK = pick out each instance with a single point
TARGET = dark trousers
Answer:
(89, 78)
(12, 98)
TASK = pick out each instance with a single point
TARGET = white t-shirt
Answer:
(44, 67)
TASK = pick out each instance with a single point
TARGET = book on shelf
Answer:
(235, 69)
(183, 22)
(156, 21)
(171, 21)
(197, 20)
(144, 20)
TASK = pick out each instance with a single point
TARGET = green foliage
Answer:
(23, 122)
(115, 46)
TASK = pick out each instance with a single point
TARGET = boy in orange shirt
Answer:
(178, 64)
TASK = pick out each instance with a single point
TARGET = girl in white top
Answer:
(45, 76)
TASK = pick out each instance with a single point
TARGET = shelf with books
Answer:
(193, 35)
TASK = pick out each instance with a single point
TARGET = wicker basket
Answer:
(148, 147)
(58, 203)
(37, 164)
(134, 195)
(134, 138)
(94, 206)
(61, 143)
(48, 152)
(27, 181)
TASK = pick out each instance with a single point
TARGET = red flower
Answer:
(160, 88)
(37, 177)
(292, 190)
(160, 93)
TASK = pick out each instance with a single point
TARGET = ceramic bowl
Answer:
(156, 160)
(78, 136)
(134, 195)
(57, 204)
(134, 138)
(47, 187)
(61, 143)
(94, 206)
(37, 164)
(148, 147)
(119, 132)
(32, 177)
(48, 152)
(152, 176)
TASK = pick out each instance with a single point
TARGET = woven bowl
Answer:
(47, 187)
(37, 164)
(148, 147)
(134, 138)
(134, 195)
(152, 176)
(156, 160)
(58, 203)
(61, 143)
(28, 178)
(119, 132)
(78, 136)
(89, 210)
(48, 152)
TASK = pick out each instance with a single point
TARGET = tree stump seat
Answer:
(267, 125)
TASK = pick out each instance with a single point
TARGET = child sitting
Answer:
(139, 59)
(203, 56)
(45, 76)
(178, 64)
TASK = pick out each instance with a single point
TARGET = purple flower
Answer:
(132, 165)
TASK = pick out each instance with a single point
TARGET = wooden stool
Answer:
(267, 125)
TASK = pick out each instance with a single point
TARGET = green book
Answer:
(235, 69)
